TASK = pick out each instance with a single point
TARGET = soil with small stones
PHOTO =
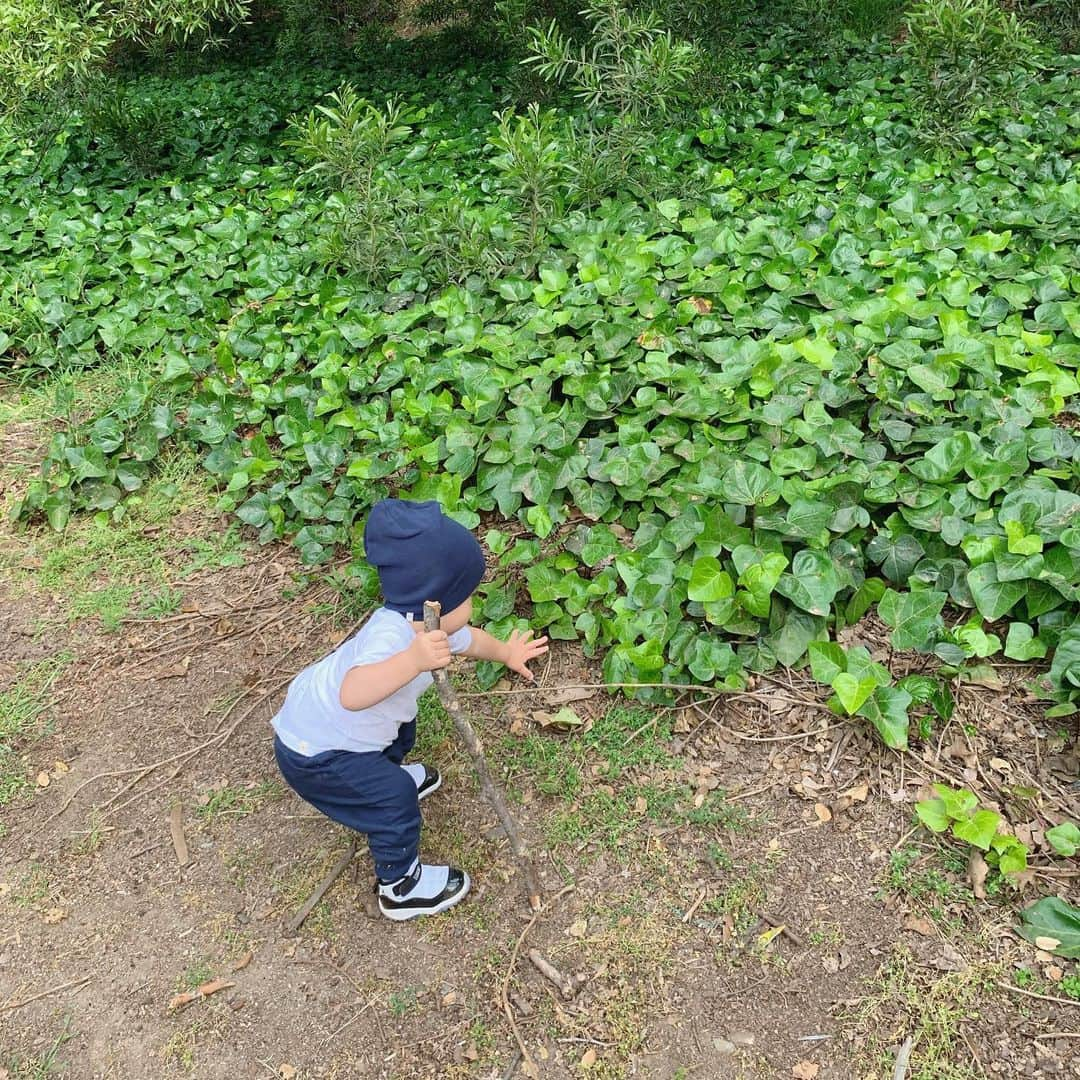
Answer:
(756, 943)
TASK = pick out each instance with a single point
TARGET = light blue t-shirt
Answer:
(313, 719)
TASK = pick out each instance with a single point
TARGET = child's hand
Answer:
(520, 649)
(431, 650)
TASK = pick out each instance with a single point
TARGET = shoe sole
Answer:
(421, 795)
(401, 915)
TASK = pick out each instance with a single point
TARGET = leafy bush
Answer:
(724, 428)
(963, 54)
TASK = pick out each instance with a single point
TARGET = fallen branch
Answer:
(903, 1056)
(476, 752)
(1041, 997)
(551, 973)
(44, 993)
(176, 831)
(309, 904)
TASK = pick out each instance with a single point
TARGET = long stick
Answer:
(309, 904)
(432, 616)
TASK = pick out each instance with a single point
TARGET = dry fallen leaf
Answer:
(588, 1059)
(977, 871)
(640, 805)
(824, 814)
(766, 937)
(805, 1070)
(53, 915)
(450, 998)
(287, 1072)
(60, 767)
(243, 961)
(578, 929)
(529, 1069)
(43, 779)
(1047, 943)
(919, 925)
(177, 670)
(471, 1053)
(570, 694)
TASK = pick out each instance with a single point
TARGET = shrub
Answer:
(963, 54)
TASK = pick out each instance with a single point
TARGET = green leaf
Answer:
(1022, 644)
(827, 660)
(709, 581)
(992, 597)
(913, 616)
(887, 711)
(852, 692)
(979, 829)
(1055, 919)
(749, 484)
(931, 812)
(813, 582)
(1064, 838)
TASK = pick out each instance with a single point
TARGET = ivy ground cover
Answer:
(821, 371)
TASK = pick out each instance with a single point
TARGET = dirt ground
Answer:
(734, 890)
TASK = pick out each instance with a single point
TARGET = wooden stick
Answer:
(903, 1056)
(309, 904)
(432, 616)
(1041, 997)
(45, 993)
(176, 830)
(551, 973)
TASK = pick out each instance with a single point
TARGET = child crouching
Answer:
(349, 721)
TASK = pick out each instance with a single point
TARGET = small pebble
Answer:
(742, 1037)
(724, 1047)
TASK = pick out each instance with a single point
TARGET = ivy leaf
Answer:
(913, 616)
(827, 660)
(709, 581)
(931, 812)
(887, 710)
(993, 597)
(1064, 838)
(813, 582)
(852, 692)
(1022, 644)
(1055, 919)
(750, 484)
(979, 829)
(897, 556)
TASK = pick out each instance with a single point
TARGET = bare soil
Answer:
(773, 935)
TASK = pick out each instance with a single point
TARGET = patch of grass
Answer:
(296, 886)
(906, 998)
(33, 887)
(112, 565)
(197, 972)
(546, 763)
(21, 709)
(231, 801)
(166, 601)
(402, 1002)
(45, 1064)
(927, 878)
(215, 551)
(625, 737)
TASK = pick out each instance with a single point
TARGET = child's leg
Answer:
(398, 750)
(366, 792)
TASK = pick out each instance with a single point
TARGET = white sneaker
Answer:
(424, 890)
(426, 780)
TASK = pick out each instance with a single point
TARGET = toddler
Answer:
(349, 721)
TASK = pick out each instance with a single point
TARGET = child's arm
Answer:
(368, 684)
(514, 653)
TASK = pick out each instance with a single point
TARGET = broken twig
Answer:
(176, 830)
(551, 973)
(309, 904)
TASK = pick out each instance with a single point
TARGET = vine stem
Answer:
(468, 736)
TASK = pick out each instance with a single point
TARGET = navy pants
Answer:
(368, 792)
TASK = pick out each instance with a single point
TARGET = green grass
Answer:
(930, 879)
(21, 711)
(232, 801)
(43, 1065)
